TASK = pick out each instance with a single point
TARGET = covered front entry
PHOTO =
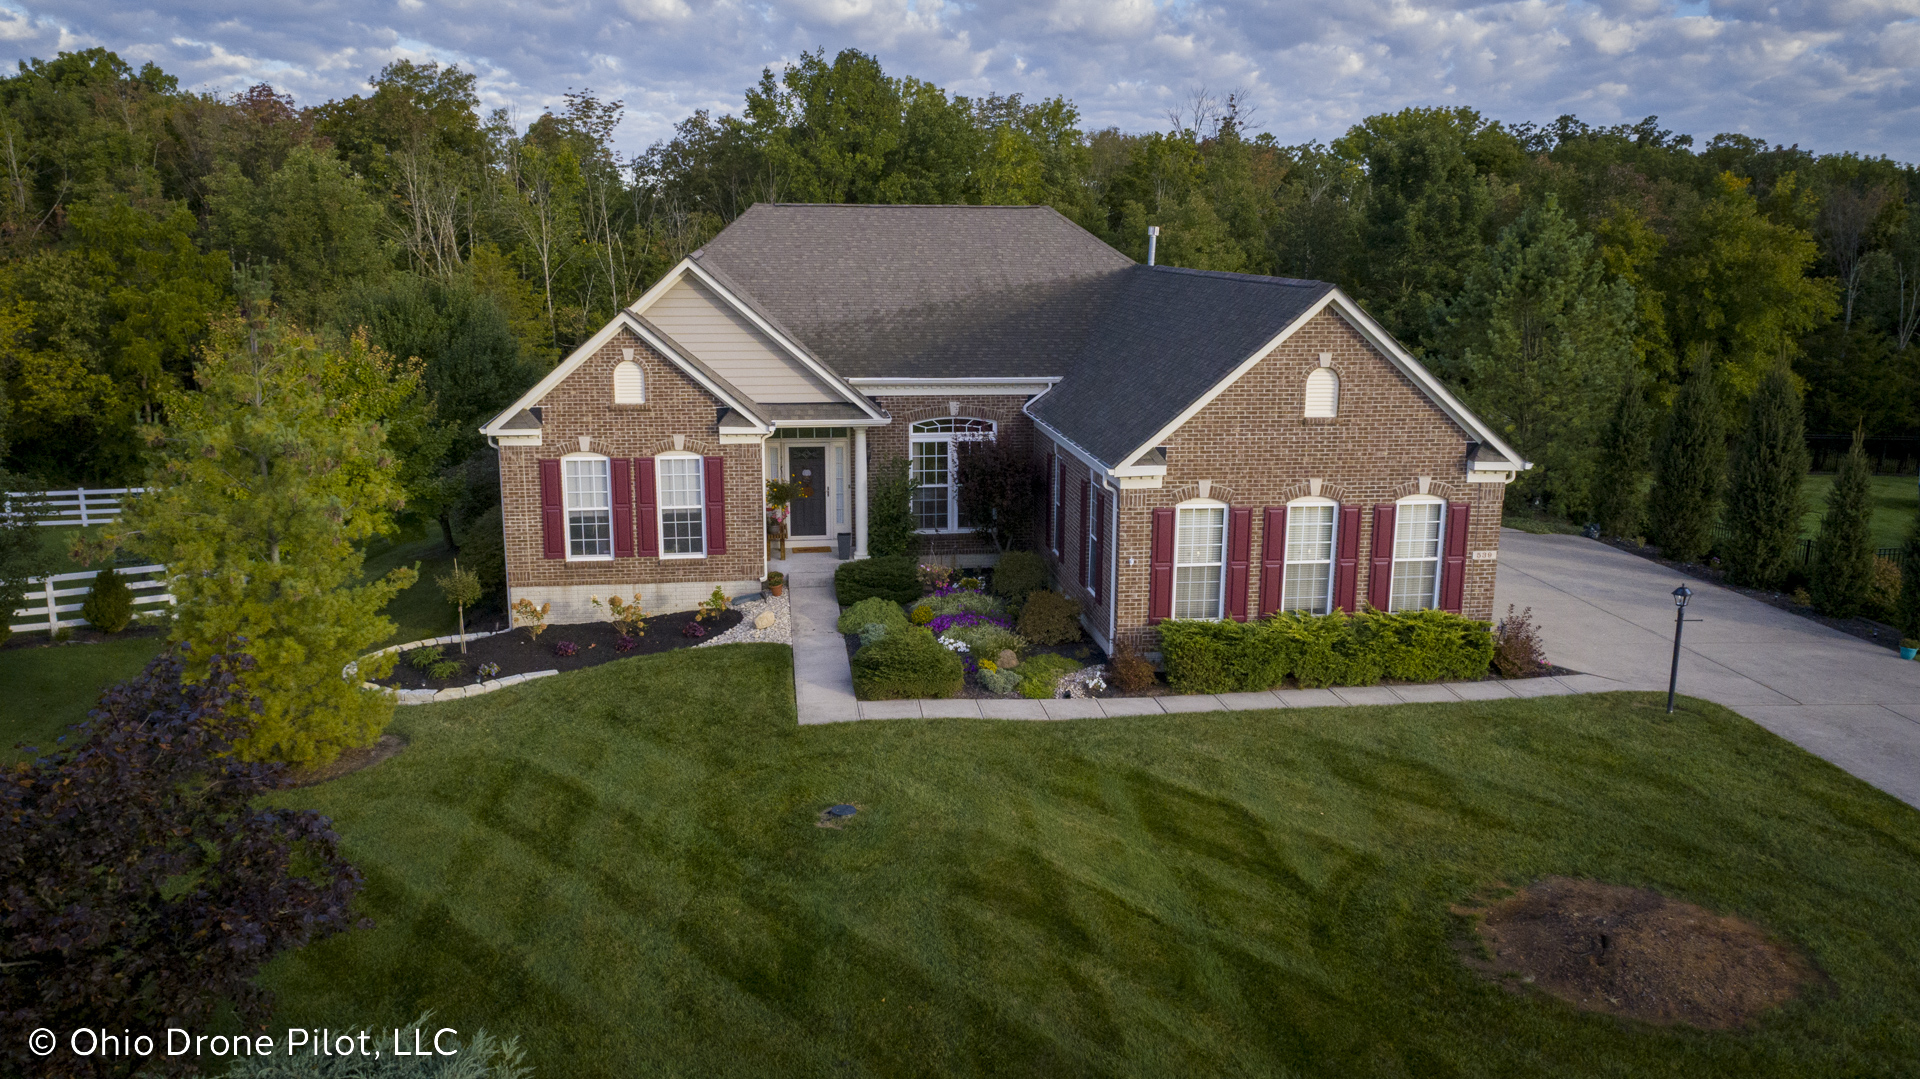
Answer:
(817, 457)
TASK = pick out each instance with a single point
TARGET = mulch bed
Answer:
(1634, 953)
(347, 763)
(518, 652)
(1864, 628)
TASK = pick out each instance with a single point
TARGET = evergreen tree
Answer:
(1907, 612)
(1686, 469)
(264, 489)
(1625, 445)
(1763, 485)
(1843, 553)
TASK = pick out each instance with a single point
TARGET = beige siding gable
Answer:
(736, 350)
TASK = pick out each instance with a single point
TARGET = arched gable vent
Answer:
(1323, 393)
(629, 388)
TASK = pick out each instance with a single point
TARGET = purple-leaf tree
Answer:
(1001, 491)
(143, 887)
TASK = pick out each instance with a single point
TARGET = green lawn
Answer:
(622, 866)
(1895, 499)
(49, 689)
(420, 611)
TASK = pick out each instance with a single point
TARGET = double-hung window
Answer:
(1416, 554)
(936, 447)
(1199, 560)
(1309, 572)
(683, 532)
(589, 501)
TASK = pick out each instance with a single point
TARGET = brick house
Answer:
(1215, 445)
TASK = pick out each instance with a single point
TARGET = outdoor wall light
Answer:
(1680, 597)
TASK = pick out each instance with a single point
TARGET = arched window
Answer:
(936, 449)
(629, 387)
(588, 486)
(1323, 393)
(1419, 522)
(1310, 544)
(1199, 558)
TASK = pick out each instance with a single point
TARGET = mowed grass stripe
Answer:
(622, 866)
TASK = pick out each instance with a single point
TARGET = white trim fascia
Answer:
(627, 321)
(521, 439)
(941, 387)
(1380, 339)
(1068, 444)
(792, 347)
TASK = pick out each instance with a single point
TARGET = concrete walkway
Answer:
(1610, 614)
(822, 678)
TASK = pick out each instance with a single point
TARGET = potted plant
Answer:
(1909, 647)
(777, 583)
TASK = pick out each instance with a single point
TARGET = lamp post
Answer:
(1680, 597)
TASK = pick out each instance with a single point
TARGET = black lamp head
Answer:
(1681, 595)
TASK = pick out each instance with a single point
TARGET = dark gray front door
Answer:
(807, 465)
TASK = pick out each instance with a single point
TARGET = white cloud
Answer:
(1828, 74)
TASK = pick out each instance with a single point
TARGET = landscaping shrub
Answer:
(1687, 467)
(109, 605)
(1018, 574)
(1130, 670)
(1883, 591)
(1224, 657)
(982, 636)
(957, 600)
(1322, 649)
(873, 631)
(1762, 520)
(1049, 618)
(892, 528)
(872, 609)
(483, 548)
(1843, 551)
(1040, 675)
(1624, 447)
(1517, 652)
(433, 663)
(999, 680)
(893, 578)
(565, 649)
(906, 664)
(1429, 646)
(921, 615)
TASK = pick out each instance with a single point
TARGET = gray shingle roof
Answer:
(1162, 338)
(919, 291)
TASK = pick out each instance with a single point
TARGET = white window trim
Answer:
(566, 512)
(1439, 559)
(660, 507)
(953, 468)
(1333, 551)
(1226, 527)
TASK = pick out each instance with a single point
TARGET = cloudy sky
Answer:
(1832, 75)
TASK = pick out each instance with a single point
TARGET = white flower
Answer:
(957, 646)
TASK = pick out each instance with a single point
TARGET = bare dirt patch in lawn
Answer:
(1635, 953)
(347, 763)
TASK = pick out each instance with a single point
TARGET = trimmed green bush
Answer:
(873, 631)
(986, 641)
(1049, 618)
(893, 578)
(1000, 681)
(968, 602)
(109, 606)
(1039, 674)
(872, 609)
(1019, 574)
(1323, 650)
(905, 664)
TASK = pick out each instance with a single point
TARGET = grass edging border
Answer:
(428, 696)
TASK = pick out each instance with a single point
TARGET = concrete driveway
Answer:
(1610, 613)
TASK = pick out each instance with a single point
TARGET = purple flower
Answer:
(945, 622)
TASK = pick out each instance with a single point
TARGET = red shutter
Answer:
(1239, 556)
(622, 507)
(1052, 481)
(1380, 571)
(1160, 567)
(1103, 578)
(648, 509)
(1346, 566)
(1060, 514)
(553, 513)
(1453, 557)
(1086, 499)
(1273, 558)
(716, 505)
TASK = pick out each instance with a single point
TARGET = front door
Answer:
(807, 467)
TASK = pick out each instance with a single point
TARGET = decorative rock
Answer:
(767, 618)
(1006, 660)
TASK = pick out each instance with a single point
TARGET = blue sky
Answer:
(1838, 75)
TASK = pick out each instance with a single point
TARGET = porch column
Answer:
(859, 492)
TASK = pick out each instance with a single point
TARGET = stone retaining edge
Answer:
(428, 696)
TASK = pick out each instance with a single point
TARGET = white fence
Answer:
(80, 506)
(66, 593)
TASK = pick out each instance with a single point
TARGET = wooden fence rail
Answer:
(65, 593)
(79, 506)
